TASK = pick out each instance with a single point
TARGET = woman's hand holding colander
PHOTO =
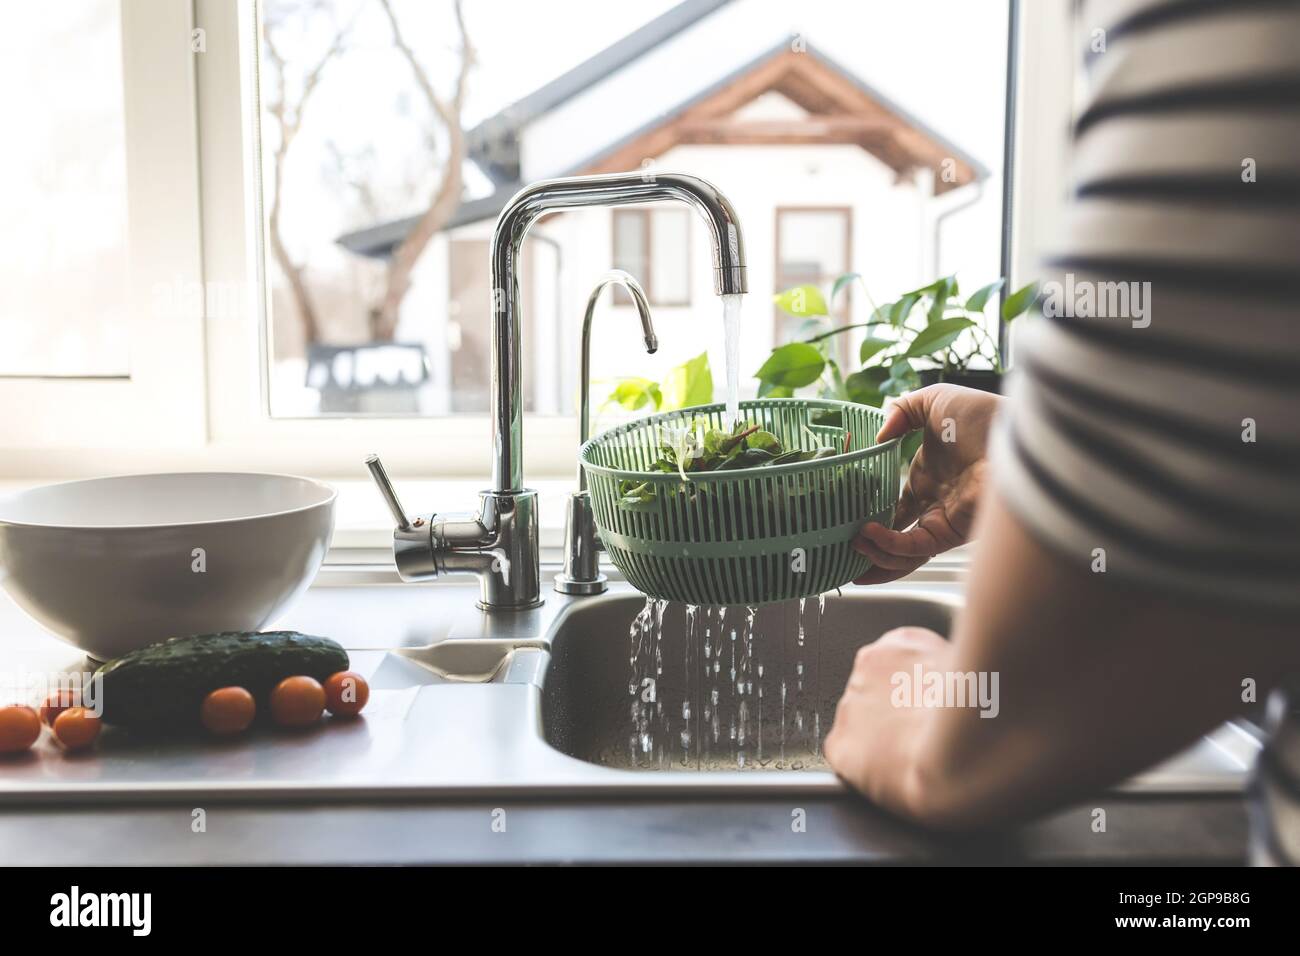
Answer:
(936, 509)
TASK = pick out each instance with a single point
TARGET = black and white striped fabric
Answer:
(1155, 408)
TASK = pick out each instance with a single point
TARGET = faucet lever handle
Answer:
(390, 494)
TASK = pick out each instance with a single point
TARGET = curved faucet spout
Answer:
(499, 542)
(618, 189)
(638, 296)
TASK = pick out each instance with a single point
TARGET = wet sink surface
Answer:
(709, 689)
(594, 705)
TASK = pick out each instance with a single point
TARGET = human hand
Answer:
(943, 485)
(873, 743)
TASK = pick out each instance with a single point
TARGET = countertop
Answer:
(518, 827)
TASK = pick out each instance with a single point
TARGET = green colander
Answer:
(753, 536)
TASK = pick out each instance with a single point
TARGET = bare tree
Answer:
(446, 195)
(287, 112)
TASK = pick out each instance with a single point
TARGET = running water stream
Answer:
(731, 331)
(714, 713)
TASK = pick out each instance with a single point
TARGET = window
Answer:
(205, 356)
(64, 249)
(101, 299)
(654, 245)
(375, 306)
(813, 246)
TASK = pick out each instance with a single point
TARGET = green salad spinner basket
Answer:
(749, 536)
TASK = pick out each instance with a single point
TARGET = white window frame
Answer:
(51, 423)
(242, 429)
(196, 218)
(1044, 108)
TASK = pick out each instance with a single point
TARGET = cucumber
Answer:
(163, 685)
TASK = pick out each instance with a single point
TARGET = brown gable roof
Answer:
(841, 109)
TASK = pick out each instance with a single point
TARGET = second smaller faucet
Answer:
(581, 574)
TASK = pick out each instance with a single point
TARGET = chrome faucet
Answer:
(499, 543)
(581, 574)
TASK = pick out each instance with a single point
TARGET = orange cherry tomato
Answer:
(228, 710)
(76, 728)
(19, 728)
(346, 693)
(297, 702)
(57, 703)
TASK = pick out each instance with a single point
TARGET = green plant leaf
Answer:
(925, 289)
(793, 365)
(772, 390)
(635, 393)
(900, 310)
(864, 387)
(902, 378)
(1019, 302)
(870, 346)
(937, 336)
(765, 441)
(690, 383)
(801, 301)
(980, 297)
(841, 282)
(944, 289)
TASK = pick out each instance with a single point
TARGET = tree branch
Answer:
(446, 196)
(288, 118)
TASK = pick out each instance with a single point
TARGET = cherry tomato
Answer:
(228, 710)
(76, 728)
(19, 728)
(346, 693)
(297, 702)
(58, 702)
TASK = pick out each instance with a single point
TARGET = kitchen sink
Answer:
(541, 702)
(800, 656)
(593, 706)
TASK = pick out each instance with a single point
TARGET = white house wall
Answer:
(427, 318)
(890, 234)
(616, 107)
(891, 245)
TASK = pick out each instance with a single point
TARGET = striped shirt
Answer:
(1153, 420)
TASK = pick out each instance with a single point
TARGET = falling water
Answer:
(817, 699)
(715, 713)
(731, 329)
(687, 737)
(646, 742)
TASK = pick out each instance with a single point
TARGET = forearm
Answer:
(1095, 683)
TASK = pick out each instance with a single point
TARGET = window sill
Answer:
(363, 532)
(361, 520)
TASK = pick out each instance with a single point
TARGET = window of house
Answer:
(654, 246)
(813, 246)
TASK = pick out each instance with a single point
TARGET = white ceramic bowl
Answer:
(113, 564)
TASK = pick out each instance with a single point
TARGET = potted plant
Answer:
(926, 335)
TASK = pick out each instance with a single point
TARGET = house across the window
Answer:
(827, 171)
(655, 246)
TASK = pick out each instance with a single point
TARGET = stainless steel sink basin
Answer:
(596, 708)
(592, 705)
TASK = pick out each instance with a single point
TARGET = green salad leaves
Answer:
(694, 448)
